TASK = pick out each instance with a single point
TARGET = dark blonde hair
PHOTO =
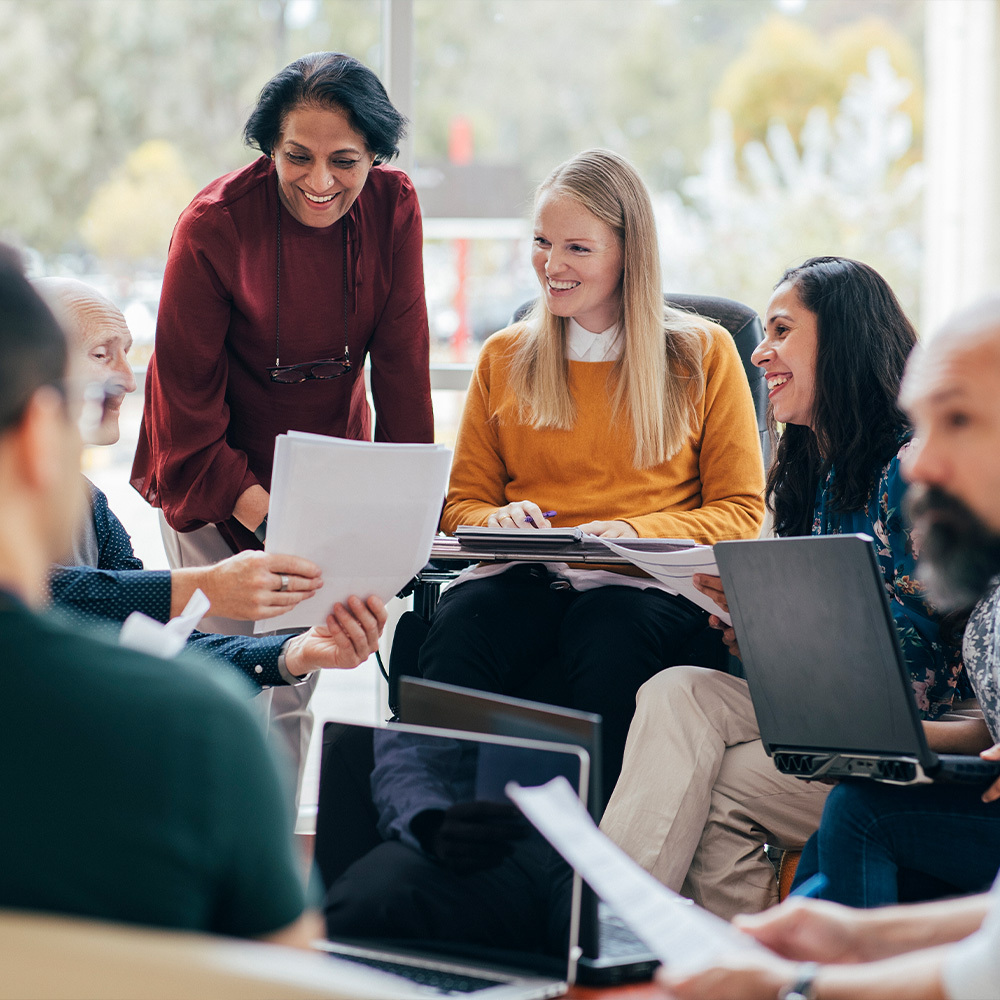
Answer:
(659, 376)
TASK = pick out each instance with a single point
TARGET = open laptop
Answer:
(610, 952)
(506, 930)
(829, 684)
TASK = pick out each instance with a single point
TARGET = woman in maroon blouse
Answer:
(281, 278)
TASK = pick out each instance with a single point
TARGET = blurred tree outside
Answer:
(84, 83)
(130, 217)
(839, 190)
(787, 69)
(90, 88)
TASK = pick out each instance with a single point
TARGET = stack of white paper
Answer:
(365, 512)
(673, 568)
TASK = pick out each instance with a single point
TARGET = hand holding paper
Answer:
(675, 569)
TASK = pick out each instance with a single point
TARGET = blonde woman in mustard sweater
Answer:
(626, 418)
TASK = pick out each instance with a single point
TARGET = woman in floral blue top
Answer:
(698, 797)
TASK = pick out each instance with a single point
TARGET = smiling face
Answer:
(322, 164)
(788, 356)
(578, 261)
(103, 341)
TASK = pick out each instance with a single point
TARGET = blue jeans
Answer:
(878, 844)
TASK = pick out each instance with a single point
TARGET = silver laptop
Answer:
(610, 952)
(830, 688)
(502, 926)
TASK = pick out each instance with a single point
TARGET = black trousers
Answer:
(500, 633)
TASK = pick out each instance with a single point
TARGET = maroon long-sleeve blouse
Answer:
(211, 412)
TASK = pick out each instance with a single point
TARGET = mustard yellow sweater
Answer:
(711, 490)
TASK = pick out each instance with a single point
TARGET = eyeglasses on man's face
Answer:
(95, 402)
(309, 370)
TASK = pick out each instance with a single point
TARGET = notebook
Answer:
(610, 952)
(506, 931)
(829, 684)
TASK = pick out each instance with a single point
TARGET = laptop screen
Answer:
(421, 851)
(431, 703)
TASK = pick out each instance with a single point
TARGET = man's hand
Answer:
(348, 638)
(470, 836)
(252, 585)
(810, 930)
(993, 792)
(609, 529)
(522, 514)
(711, 586)
(744, 976)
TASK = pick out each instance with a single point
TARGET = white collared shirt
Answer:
(582, 345)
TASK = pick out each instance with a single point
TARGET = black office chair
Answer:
(745, 328)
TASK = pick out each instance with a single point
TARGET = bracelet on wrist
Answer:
(261, 530)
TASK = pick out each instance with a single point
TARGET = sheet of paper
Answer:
(146, 635)
(674, 569)
(683, 936)
(365, 512)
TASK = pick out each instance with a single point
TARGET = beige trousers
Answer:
(698, 798)
(284, 711)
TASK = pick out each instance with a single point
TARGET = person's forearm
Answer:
(183, 583)
(966, 736)
(906, 977)
(893, 930)
(251, 507)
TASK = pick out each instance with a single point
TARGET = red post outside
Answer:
(460, 153)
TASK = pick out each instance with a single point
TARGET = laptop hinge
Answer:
(812, 766)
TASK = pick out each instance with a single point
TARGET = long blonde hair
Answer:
(658, 377)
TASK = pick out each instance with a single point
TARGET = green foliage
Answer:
(83, 83)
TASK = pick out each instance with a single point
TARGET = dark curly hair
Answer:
(864, 341)
(329, 79)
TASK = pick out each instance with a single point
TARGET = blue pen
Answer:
(812, 887)
(545, 514)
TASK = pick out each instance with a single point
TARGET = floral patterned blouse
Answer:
(935, 665)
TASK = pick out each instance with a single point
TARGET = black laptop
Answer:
(503, 929)
(829, 684)
(610, 952)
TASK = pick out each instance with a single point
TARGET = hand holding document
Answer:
(684, 937)
(365, 512)
(674, 568)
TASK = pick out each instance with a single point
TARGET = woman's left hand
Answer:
(609, 529)
(993, 792)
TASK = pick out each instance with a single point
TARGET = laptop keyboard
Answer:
(445, 982)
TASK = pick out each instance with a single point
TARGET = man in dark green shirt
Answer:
(134, 788)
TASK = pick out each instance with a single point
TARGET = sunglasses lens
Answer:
(329, 369)
(288, 376)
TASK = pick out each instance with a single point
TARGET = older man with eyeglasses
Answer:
(106, 579)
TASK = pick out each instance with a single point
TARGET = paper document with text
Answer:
(674, 569)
